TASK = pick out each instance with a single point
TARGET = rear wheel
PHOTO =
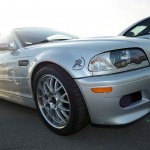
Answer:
(59, 100)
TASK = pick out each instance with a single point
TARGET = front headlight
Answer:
(118, 59)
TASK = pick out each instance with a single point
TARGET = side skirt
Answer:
(29, 102)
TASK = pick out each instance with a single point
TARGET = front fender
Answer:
(75, 64)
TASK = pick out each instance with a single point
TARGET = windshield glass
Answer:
(30, 36)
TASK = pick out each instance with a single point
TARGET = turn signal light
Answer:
(101, 90)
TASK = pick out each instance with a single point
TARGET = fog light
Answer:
(125, 101)
(131, 98)
(102, 90)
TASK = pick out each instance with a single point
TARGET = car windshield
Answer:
(31, 36)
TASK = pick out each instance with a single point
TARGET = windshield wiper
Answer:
(46, 41)
(43, 41)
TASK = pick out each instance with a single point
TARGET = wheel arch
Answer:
(41, 64)
(77, 104)
(38, 66)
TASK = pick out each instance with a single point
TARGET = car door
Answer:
(5, 64)
(13, 69)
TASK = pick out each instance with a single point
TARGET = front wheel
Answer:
(59, 100)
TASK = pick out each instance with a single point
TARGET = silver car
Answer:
(73, 81)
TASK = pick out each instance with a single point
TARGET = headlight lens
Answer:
(117, 59)
(120, 58)
(97, 64)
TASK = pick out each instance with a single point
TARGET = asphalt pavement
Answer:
(22, 129)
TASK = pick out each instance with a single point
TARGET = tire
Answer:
(59, 100)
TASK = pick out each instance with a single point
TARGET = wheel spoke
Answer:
(46, 89)
(63, 108)
(41, 107)
(65, 114)
(63, 100)
(50, 111)
(51, 85)
(61, 97)
(55, 85)
(60, 116)
(44, 97)
(58, 89)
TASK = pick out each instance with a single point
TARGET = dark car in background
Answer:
(139, 29)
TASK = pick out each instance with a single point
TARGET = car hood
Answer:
(97, 43)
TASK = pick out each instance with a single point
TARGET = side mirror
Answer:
(4, 46)
(129, 34)
(12, 46)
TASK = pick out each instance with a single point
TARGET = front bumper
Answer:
(104, 108)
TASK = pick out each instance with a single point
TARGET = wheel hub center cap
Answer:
(54, 101)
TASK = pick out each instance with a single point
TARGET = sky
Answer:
(85, 18)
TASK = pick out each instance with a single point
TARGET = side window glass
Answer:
(142, 28)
